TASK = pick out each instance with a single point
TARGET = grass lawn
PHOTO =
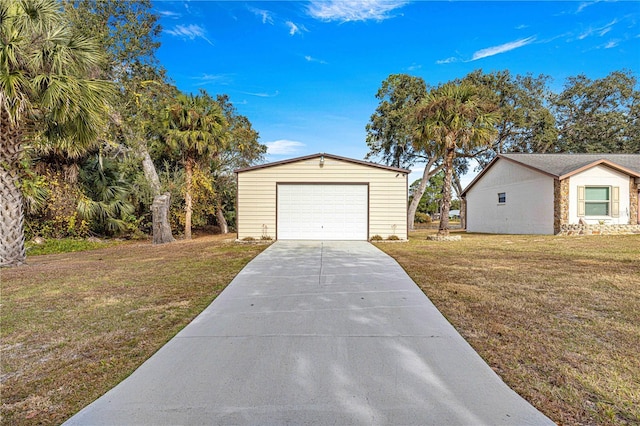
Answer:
(74, 325)
(558, 318)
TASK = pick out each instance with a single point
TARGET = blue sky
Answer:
(306, 73)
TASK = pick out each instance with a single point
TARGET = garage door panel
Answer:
(322, 212)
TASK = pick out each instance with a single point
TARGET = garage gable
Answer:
(321, 197)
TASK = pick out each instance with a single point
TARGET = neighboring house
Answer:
(321, 197)
(554, 193)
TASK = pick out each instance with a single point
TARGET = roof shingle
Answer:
(563, 164)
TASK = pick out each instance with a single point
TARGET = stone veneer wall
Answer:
(584, 229)
(633, 200)
(560, 204)
(561, 224)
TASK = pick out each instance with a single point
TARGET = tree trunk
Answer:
(149, 168)
(161, 202)
(222, 222)
(188, 207)
(446, 192)
(413, 207)
(463, 202)
(12, 251)
(160, 210)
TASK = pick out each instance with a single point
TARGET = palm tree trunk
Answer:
(12, 251)
(187, 198)
(446, 192)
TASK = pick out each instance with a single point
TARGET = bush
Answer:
(58, 217)
(375, 238)
(393, 238)
(63, 245)
(422, 218)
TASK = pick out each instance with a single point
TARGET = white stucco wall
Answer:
(600, 176)
(529, 201)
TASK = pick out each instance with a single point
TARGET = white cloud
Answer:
(584, 5)
(293, 28)
(495, 50)
(223, 79)
(169, 14)
(191, 31)
(309, 58)
(353, 10)
(264, 14)
(262, 94)
(283, 147)
(447, 61)
(599, 30)
(612, 44)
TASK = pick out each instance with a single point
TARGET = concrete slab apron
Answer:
(316, 333)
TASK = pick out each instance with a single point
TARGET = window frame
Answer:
(607, 202)
(502, 198)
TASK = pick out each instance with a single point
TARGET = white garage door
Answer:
(322, 212)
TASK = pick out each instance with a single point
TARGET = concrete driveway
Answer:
(326, 333)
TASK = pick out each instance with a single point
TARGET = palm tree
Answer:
(454, 116)
(105, 203)
(195, 128)
(45, 94)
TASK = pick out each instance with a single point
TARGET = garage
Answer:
(321, 197)
(322, 211)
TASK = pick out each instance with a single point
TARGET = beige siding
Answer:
(257, 194)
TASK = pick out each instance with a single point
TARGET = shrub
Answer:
(393, 238)
(58, 217)
(375, 238)
(422, 218)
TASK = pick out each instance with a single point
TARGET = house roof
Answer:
(562, 166)
(322, 154)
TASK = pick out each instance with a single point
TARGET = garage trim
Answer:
(387, 198)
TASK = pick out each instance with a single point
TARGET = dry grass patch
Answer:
(74, 325)
(557, 317)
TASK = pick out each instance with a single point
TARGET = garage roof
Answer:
(321, 154)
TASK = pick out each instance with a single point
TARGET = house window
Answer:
(597, 200)
(502, 197)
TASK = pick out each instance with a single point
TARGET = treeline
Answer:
(93, 131)
(484, 114)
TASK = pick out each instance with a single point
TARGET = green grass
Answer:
(557, 318)
(76, 324)
(64, 245)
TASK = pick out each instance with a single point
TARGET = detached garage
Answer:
(322, 197)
